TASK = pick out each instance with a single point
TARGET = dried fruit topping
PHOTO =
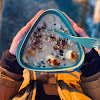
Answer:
(45, 24)
(39, 47)
(37, 41)
(63, 43)
(38, 35)
(56, 47)
(60, 27)
(58, 42)
(49, 61)
(34, 47)
(61, 54)
(38, 29)
(63, 59)
(52, 37)
(60, 51)
(44, 27)
(30, 52)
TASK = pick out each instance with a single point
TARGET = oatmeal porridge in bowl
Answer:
(44, 50)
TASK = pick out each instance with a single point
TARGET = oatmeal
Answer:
(47, 48)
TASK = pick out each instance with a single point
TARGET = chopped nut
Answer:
(54, 19)
(63, 43)
(52, 37)
(37, 41)
(45, 24)
(60, 27)
(30, 52)
(39, 35)
(56, 47)
(58, 42)
(65, 30)
(34, 47)
(63, 59)
(38, 29)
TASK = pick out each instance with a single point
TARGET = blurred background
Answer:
(14, 14)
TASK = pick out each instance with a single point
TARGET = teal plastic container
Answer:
(66, 69)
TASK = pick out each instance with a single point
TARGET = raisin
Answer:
(61, 54)
(63, 42)
(60, 51)
(49, 61)
(64, 64)
(42, 62)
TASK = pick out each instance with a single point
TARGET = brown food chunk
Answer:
(63, 43)
(56, 47)
(63, 59)
(55, 62)
(52, 37)
(30, 52)
(34, 47)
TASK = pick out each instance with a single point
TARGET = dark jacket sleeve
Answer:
(92, 64)
(90, 78)
(10, 76)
